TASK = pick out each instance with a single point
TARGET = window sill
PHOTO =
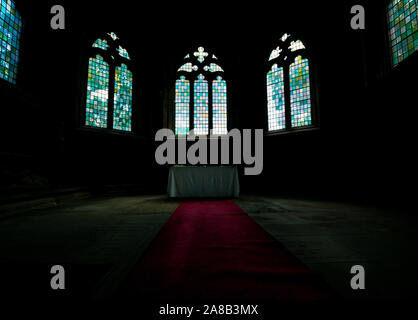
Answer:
(291, 131)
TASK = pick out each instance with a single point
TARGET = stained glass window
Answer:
(182, 105)
(97, 93)
(285, 37)
(213, 67)
(403, 29)
(300, 99)
(123, 53)
(276, 99)
(10, 29)
(296, 45)
(109, 103)
(219, 106)
(288, 86)
(188, 67)
(122, 112)
(275, 53)
(113, 36)
(201, 106)
(201, 54)
(101, 44)
(201, 101)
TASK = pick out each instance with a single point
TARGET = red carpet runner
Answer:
(213, 250)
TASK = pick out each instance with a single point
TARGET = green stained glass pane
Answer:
(97, 93)
(122, 111)
(276, 99)
(123, 53)
(10, 29)
(300, 97)
(101, 44)
(402, 21)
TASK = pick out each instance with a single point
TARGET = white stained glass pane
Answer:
(201, 106)
(219, 101)
(182, 106)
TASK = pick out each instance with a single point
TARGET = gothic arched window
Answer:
(109, 86)
(289, 104)
(403, 29)
(10, 29)
(201, 96)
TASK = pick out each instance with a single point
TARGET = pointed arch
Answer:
(289, 103)
(109, 86)
(201, 95)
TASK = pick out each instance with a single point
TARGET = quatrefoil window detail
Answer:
(201, 54)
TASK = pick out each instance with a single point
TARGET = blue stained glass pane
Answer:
(10, 29)
(97, 93)
(300, 98)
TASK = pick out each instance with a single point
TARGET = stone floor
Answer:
(332, 237)
(111, 233)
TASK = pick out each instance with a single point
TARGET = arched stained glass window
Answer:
(109, 86)
(403, 29)
(201, 96)
(289, 104)
(10, 29)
